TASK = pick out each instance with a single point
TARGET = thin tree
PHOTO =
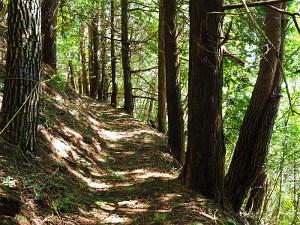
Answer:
(114, 94)
(175, 114)
(204, 165)
(49, 27)
(84, 75)
(21, 89)
(90, 55)
(162, 98)
(128, 98)
(95, 80)
(103, 90)
(256, 129)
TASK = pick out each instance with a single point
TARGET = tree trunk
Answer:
(204, 165)
(175, 115)
(257, 193)
(95, 81)
(71, 79)
(90, 54)
(128, 99)
(162, 97)
(256, 130)
(103, 90)
(84, 75)
(21, 91)
(49, 24)
(114, 94)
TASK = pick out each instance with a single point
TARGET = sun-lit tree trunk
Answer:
(128, 99)
(103, 90)
(204, 165)
(21, 91)
(175, 114)
(114, 94)
(84, 75)
(95, 81)
(162, 97)
(256, 130)
(49, 24)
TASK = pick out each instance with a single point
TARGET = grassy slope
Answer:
(97, 165)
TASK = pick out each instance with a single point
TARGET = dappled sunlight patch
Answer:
(93, 122)
(59, 145)
(133, 204)
(116, 219)
(93, 212)
(118, 135)
(71, 132)
(143, 174)
(149, 174)
(96, 145)
(91, 183)
(169, 197)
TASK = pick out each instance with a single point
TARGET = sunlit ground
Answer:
(103, 167)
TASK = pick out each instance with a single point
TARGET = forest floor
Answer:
(98, 165)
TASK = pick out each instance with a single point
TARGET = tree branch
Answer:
(143, 70)
(145, 97)
(253, 4)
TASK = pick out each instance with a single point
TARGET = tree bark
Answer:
(95, 81)
(114, 94)
(90, 55)
(257, 193)
(128, 99)
(204, 165)
(84, 76)
(175, 114)
(71, 79)
(21, 91)
(49, 24)
(256, 130)
(162, 96)
(103, 90)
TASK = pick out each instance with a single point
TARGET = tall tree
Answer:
(162, 98)
(84, 75)
(90, 55)
(256, 130)
(175, 114)
(95, 81)
(204, 165)
(128, 98)
(103, 90)
(21, 91)
(114, 94)
(49, 24)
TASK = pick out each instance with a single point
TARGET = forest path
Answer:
(98, 165)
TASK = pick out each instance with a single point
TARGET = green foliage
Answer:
(58, 82)
(160, 217)
(62, 204)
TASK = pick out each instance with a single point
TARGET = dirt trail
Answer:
(98, 165)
